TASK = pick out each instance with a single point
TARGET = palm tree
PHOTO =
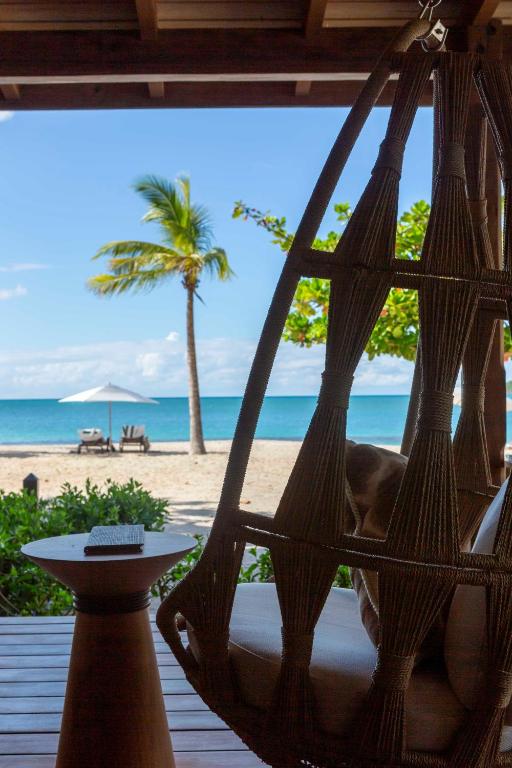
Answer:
(185, 251)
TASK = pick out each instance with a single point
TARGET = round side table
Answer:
(114, 712)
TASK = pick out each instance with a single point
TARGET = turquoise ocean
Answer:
(372, 418)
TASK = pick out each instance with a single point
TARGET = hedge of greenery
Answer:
(24, 588)
(27, 590)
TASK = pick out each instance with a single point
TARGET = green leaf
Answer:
(396, 331)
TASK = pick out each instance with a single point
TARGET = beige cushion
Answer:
(374, 476)
(341, 668)
(465, 639)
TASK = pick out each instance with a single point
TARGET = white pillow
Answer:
(466, 630)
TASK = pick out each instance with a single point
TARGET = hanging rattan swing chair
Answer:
(289, 665)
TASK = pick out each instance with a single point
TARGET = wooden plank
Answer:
(211, 54)
(195, 95)
(10, 91)
(217, 14)
(57, 630)
(40, 15)
(234, 759)
(58, 688)
(315, 17)
(41, 629)
(231, 24)
(156, 90)
(32, 698)
(477, 12)
(25, 705)
(303, 87)
(50, 722)
(60, 674)
(505, 11)
(54, 639)
(61, 660)
(51, 649)
(147, 14)
(36, 675)
(56, 625)
(183, 741)
(364, 13)
(10, 663)
(174, 672)
(24, 621)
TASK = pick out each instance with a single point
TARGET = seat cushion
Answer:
(374, 476)
(465, 639)
(341, 667)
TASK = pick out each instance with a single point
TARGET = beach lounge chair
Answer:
(134, 435)
(93, 438)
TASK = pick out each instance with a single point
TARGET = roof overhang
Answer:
(144, 53)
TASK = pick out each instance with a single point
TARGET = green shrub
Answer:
(178, 571)
(24, 588)
(261, 569)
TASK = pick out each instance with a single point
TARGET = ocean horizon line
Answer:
(208, 397)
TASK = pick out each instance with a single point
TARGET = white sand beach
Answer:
(191, 484)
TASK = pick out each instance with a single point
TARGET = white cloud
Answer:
(172, 336)
(383, 374)
(156, 367)
(151, 365)
(12, 293)
(4, 115)
(23, 267)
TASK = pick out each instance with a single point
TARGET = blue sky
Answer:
(65, 189)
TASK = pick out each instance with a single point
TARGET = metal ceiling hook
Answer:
(427, 6)
(435, 38)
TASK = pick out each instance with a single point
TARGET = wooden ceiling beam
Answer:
(303, 87)
(10, 91)
(212, 53)
(315, 17)
(147, 14)
(477, 12)
(156, 90)
(184, 95)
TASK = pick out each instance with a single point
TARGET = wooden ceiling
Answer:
(66, 54)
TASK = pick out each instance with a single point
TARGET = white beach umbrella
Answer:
(108, 394)
(457, 399)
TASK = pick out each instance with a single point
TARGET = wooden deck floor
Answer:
(34, 657)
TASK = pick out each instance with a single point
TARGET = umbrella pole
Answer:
(110, 424)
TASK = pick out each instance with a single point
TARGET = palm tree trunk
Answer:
(194, 402)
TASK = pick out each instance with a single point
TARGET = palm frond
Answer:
(186, 249)
(135, 265)
(161, 195)
(216, 263)
(183, 182)
(137, 281)
(186, 226)
(131, 248)
(164, 259)
(200, 226)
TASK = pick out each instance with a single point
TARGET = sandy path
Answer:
(192, 484)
